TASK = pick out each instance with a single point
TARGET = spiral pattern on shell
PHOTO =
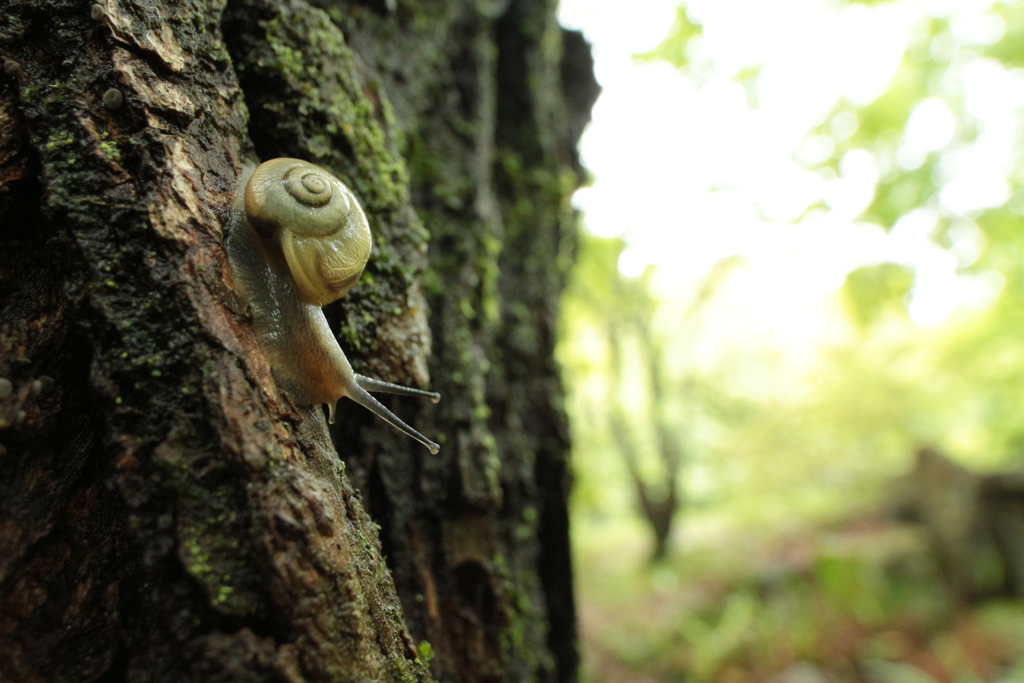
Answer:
(308, 186)
(315, 222)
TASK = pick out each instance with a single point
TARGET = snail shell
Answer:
(298, 240)
(317, 223)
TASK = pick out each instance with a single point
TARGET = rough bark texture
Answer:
(166, 514)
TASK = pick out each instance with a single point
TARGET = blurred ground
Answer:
(857, 601)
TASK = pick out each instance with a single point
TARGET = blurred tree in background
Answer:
(649, 394)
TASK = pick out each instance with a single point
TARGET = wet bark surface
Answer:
(166, 513)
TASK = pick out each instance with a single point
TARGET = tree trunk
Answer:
(166, 512)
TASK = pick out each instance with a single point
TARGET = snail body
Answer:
(299, 240)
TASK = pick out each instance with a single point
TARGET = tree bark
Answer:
(166, 512)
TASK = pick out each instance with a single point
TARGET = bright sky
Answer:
(689, 172)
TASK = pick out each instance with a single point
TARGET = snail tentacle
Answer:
(377, 385)
(363, 398)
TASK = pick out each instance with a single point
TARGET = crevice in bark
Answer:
(378, 506)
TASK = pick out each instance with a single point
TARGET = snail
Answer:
(298, 240)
